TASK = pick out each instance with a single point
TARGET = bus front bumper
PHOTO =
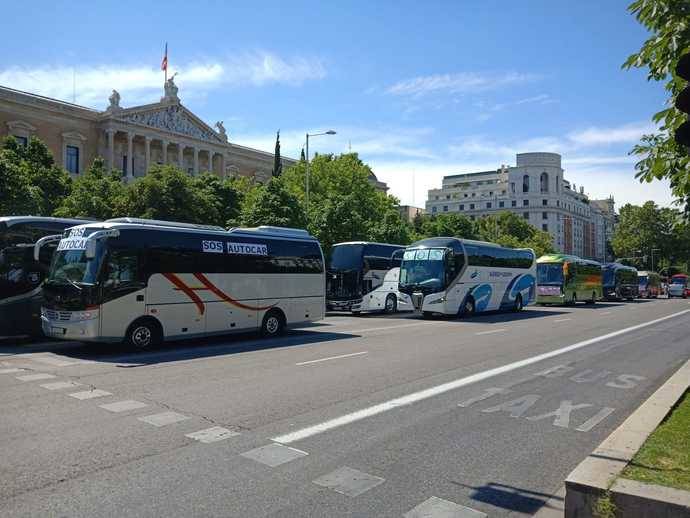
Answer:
(551, 299)
(71, 325)
(344, 305)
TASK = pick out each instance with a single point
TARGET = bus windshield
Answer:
(72, 266)
(550, 273)
(347, 257)
(423, 267)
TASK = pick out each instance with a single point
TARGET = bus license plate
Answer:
(58, 330)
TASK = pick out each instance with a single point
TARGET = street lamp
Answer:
(329, 132)
(654, 249)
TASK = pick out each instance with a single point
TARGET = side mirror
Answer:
(90, 251)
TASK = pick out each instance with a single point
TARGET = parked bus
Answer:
(678, 287)
(23, 266)
(145, 281)
(567, 279)
(620, 282)
(452, 276)
(363, 276)
(648, 284)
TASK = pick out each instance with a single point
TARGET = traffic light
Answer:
(683, 100)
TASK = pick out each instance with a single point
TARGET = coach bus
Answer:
(619, 282)
(648, 284)
(567, 279)
(363, 277)
(145, 281)
(452, 276)
(679, 287)
(25, 254)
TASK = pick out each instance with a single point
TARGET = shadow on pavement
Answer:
(509, 497)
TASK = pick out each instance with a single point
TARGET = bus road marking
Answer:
(491, 332)
(605, 313)
(421, 395)
(123, 406)
(213, 434)
(387, 327)
(332, 358)
(562, 319)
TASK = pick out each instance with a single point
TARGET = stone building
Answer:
(536, 189)
(130, 139)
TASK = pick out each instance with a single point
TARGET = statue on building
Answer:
(114, 101)
(221, 130)
(170, 89)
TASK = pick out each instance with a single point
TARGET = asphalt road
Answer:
(367, 416)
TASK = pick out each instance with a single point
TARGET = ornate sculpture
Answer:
(170, 90)
(221, 130)
(173, 118)
(114, 101)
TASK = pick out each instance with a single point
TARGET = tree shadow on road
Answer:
(509, 497)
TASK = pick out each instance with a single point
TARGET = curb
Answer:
(599, 472)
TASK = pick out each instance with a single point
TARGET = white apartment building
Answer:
(535, 189)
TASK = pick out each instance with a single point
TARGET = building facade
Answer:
(409, 212)
(536, 189)
(130, 139)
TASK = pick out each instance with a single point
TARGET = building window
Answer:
(513, 203)
(558, 203)
(462, 207)
(465, 195)
(488, 204)
(474, 194)
(491, 193)
(544, 182)
(433, 209)
(501, 204)
(436, 197)
(544, 215)
(447, 196)
(525, 203)
(544, 202)
(525, 183)
(23, 141)
(445, 208)
(525, 215)
(512, 187)
(72, 159)
(471, 206)
(545, 227)
(124, 164)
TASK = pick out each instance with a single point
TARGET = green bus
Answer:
(567, 279)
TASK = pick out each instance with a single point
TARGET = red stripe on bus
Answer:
(225, 297)
(186, 290)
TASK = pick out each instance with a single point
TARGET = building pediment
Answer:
(173, 118)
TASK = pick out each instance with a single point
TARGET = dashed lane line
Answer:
(59, 385)
(36, 377)
(123, 406)
(332, 358)
(163, 419)
(455, 384)
(90, 394)
(213, 434)
(11, 371)
(490, 332)
(562, 319)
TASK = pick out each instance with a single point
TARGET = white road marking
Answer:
(605, 313)
(54, 362)
(59, 385)
(163, 419)
(595, 419)
(455, 384)
(561, 414)
(36, 377)
(417, 324)
(11, 371)
(516, 407)
(435, 507)
(348, 481)
(274, 454)
(491, 331)
(332, 358)
(213, 434)
(562, 319)
(90, 394)
(123, 406)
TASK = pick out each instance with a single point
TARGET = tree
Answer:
(660, 156)
(277, 162)
(17, 196)
(96, 194)
(273, 204)
(447, 225)
(223, 196)
(509, 229)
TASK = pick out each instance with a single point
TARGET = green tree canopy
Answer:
(451, 224)
(17, 195)
(509, 229)
(272, 204)
(96, 194)
(668, 21)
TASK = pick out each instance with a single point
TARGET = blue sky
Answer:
(419, 89)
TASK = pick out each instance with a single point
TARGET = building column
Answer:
(147, 163)
(210, 161)
(165, 151)
(130, 158)
(111, 148)
(222, 165)
(195, 150)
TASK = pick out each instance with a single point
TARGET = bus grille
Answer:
(61, 316)
(417, 300)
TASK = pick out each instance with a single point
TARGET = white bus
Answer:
(363, 277)
(145, 281)
(451, 276)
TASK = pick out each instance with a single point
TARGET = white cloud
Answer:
(139, 84)
(463, 82)
(490, 110)
(595, 136)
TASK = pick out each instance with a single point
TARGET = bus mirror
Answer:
(90, 251)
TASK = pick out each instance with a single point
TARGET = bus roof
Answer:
(14, 220)
(368, 243)
(172, 226)
(448, 242)
(618, 266)
(561, 258)
(679, 275)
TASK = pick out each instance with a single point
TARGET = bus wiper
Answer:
(74, 284)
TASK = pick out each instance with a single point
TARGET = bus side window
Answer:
(122, 268)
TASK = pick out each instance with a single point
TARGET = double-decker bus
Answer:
(619, 282)
(25, 254)
(363, 276)
(567, 279)
(648, 284)
(679, 287)
(145, 281)
(452, 276)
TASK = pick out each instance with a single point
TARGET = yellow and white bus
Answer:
(145, 281)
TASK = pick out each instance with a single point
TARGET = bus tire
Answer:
(593, 300)
(273, 324)
(573, 299)
(518, 303)
(144, 333)
(427, 315)
(468, 308)
(391, 305)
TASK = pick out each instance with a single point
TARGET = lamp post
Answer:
(653, 250)
(329, 132)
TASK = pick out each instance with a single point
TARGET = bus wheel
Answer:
(391, 304)
(518, 303)
(573, 299)
(273, 324)
(144, 333)
(467, 309)
(593, 300)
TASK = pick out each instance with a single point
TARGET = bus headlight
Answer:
(438, 301)
(78, 316)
